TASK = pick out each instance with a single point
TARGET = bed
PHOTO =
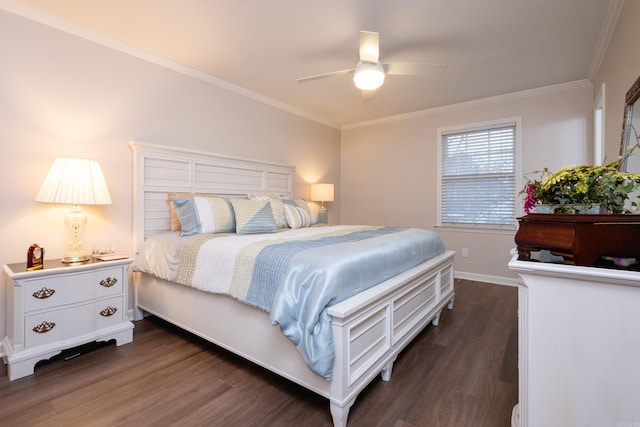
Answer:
(368, 330)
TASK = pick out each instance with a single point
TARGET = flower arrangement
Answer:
(583, 186)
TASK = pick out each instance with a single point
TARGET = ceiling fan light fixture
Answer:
(368, 76)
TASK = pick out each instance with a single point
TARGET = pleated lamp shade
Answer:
(75, 182)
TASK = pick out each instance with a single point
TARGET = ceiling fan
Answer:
(369, 73)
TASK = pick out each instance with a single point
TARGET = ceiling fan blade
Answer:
(325, 75)
(369, 46)
(409, 68)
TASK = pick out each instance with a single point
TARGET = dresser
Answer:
(63, 306)
(579, 345)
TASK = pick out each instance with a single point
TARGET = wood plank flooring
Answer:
(461, 373)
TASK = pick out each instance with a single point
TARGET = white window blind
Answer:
(478, 177)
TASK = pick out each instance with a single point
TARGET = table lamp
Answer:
(322, 193)
(75, 182)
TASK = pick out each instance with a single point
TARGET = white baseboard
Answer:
(498, 280)
(515, 416)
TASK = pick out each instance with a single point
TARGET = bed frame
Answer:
(370, 329)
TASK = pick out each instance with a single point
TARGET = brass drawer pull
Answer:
(108, 282)
(109, 311)
(44, 293)
(44, 327)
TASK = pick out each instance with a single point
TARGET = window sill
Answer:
(471, 228)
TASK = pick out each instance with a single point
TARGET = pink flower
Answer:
(530, 200)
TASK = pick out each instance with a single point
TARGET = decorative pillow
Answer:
(276, 206)
(253, 216)
(296, 217)
(175, 221)
(200, 215)
(304, 206)
(186, 214)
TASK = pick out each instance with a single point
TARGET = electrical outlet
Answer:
(465, 252)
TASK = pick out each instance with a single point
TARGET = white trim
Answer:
(610, 21)
(482, 228)
(599, 126)
(475, 103)
(478, 126)
(494, 280)
(41, 17)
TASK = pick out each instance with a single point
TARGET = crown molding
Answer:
(475, 103)
(606, 32)
(49, 20)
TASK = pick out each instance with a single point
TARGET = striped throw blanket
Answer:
(296, 274)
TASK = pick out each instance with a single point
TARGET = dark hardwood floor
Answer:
(461, 373)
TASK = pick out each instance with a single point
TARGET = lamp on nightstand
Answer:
(322, 193)
(75, 182)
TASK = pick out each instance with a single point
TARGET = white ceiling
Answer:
(492, 47)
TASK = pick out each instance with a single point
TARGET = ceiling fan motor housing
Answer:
(368, 76)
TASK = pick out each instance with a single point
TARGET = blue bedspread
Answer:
(296, 275)
(313, 275)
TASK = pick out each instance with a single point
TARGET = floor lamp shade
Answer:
(322, 193)
(75, 182)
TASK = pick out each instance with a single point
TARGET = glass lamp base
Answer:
(75, 225)
(75, 256)
(323, 216)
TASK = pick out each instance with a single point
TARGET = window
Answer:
(478, 176)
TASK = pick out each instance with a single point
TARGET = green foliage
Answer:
(586, 185)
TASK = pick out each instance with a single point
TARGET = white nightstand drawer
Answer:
(62, 324)
(48, 292)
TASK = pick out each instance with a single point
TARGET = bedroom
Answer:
(63, 94)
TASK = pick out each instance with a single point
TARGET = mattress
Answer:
(295, 274)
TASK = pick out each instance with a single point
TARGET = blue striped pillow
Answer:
(296, 217)
(204, 215)
(302, 205)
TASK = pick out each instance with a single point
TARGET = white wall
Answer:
(61, 95)
(619, 69)
(389, 169)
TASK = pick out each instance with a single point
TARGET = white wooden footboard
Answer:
(371, 328)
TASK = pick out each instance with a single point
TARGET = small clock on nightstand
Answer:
(62, 306)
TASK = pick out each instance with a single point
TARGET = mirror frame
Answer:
(632, 96)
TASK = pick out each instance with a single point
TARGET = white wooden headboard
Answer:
(159, 170)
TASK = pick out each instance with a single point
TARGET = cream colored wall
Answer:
(619, 69)
(389, 170)
(61, 95)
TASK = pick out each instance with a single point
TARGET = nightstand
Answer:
(63, 306)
